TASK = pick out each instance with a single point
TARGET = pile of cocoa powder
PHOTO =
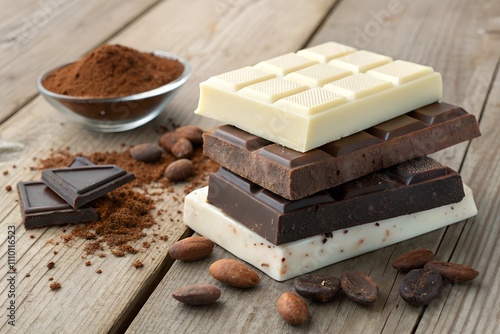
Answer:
(128, 210)
(113, 71)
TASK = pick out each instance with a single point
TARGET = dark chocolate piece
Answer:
(295, 175)
(40, 206)
(81, 161)
(81, 185)
(413, 186)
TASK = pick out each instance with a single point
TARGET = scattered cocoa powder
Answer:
(126, 212)
(113, 71)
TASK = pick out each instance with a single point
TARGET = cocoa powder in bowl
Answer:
(102, 82)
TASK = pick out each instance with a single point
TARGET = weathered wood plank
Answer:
(473, 307)
(38, 35)
(213, 35)
(438, 34)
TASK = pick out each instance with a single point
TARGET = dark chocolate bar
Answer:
(295, 175)
(81, 185)
(40, 206)
(413, 186)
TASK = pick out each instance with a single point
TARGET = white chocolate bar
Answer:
(306, 99)
(299, 257)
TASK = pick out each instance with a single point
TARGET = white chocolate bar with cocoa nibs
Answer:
(317, 95)
(299, 257)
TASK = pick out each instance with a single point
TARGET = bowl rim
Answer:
(138, 96)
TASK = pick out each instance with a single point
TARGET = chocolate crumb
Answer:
(137, 264)
(99, 271)
(118, 253)
(27, 275)
(51, 278)
(88, 263)
(8, 187)
(129, 249)
(32, 236)
(55, 285)
(54, 252)
(50, 265)
(5, 172)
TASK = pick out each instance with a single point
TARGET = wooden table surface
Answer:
(459, 38)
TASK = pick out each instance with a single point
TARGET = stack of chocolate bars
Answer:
(324, 158)
(64, 194)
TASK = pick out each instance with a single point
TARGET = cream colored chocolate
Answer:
(306, 99)
(299, 257)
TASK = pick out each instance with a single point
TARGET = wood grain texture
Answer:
(473, 307)
(38, 35)
(443, 35)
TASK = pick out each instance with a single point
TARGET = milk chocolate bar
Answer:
(83, 184)
(294, 175)
(416, 185)
(40, 206)
(296, 258)
(301, 101)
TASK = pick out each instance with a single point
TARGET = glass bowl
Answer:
(118, 113)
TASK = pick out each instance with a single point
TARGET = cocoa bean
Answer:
(179, 170)
(191, 249)
(234, 273)
(413, 260)
(193, 133)
(202, 294)
(168, 139)
(359, 287)
(146, 152)
(453, 272)
(421, 286)
(182, 149)
(318, 288)
(292, 309)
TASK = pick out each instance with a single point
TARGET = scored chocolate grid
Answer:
(299, 125)
(399, 71)
(235, 80)
(317, 75)
(291, 158)
(294, 67)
